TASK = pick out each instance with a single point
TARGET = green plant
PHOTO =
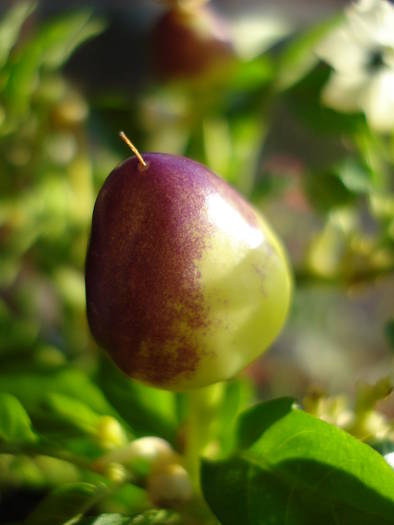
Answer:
(82, 443)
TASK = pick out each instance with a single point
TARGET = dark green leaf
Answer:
(304, 99)
(64, 503)
(16, 334)
(293, 468)
(253, 422)
(339, 184)
(389, 331)
(326, 191)
(15, 424)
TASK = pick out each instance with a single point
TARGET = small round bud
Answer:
(110, 433)
(140, 457)
(148, 454)
(115, 472)
(169, 486)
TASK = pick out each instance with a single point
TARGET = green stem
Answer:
(202, 407)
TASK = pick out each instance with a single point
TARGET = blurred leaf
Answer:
(296, 469)
(105, 519)
(389, 331)
(338, 185)
(10, 26)
(254, 32)
(127, 500)
(16, 334)
(64, 503)
(298, 58)
(368, 395)
(149, 411)
(150, 517)
(355, 176)
(33, 388)
(50, 48)
(157, 517)
(15, 424)
(326, 190)
(248, 76)
(61, 37)
(72, 411)
(304, 100)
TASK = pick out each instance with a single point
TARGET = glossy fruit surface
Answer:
(190, 42)
(185, 281)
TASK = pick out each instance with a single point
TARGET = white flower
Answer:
(361, 53)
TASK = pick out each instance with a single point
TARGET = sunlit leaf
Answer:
(293, 468)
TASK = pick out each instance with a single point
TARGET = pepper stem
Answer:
(127, 141)
(203, 405)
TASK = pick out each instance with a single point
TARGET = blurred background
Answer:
(243, 95)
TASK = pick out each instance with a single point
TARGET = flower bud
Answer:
(170, 486)
(140, 457)
(110, 433)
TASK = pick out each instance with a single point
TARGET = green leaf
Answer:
(72, 411)
(253, 422)
(294, 469)
(15, 424)
(64, 503)
(10, 27)
(32, 386)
